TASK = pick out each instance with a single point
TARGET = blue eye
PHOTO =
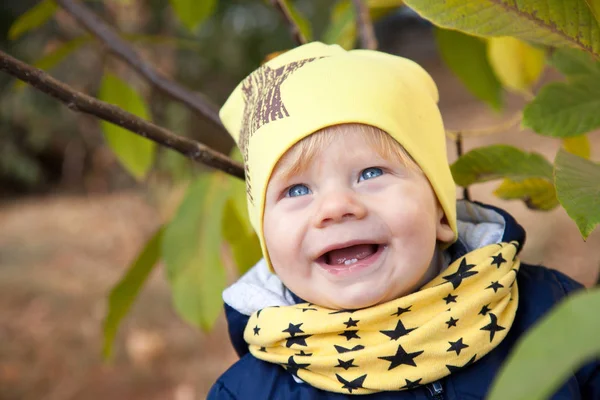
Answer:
(297, 190)
(370, 173)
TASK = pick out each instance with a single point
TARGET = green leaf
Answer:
(578, 145)
(560, 343)
(499, 161)
(245, 246)
(573, 62)
(536, 193)
(33, 18)
(564, 109)
(192, 251)
(517, 64)
(238, 195)
(135, 152)
(302, 23)
(551, 22)
(594, 6)
(125, 292)
(193, 12)
(466, 56)
(578, 189)
(342, 27)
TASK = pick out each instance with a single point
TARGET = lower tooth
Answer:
(352, 261)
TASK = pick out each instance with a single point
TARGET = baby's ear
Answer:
(444, 232)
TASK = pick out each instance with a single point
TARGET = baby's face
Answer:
(352, 230)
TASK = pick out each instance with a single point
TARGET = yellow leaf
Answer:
(578, 145)
(537, 193)
(517, 64)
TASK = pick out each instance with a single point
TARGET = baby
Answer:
(374, 281)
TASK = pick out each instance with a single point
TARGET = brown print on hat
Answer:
(263, 104)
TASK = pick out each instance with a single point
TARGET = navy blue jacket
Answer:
(540, 289)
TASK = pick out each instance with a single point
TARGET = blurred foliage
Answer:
(51, 40)
(210, 46)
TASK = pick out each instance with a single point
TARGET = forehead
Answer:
(362, 141)
(305, 153)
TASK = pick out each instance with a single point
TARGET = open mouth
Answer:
(349, 255)
(351, 258)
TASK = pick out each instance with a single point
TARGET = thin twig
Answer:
(365, 25)
(81, 102)
(287, 17)
(459, 153)
(121, 49)
(502, 127)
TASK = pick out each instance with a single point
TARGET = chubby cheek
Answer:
(284, 244)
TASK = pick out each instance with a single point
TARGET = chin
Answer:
(360, 301)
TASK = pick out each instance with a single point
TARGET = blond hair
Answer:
(305, 150)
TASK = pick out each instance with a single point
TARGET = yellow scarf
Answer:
(450, 323)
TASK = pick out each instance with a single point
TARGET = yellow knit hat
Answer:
(314, 86)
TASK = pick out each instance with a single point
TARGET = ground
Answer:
(59, 258)
(60, 255)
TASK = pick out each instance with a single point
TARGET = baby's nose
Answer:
(337, 207)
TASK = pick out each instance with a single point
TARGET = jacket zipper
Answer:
(436, 390)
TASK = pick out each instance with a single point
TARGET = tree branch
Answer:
(365, 25)
(122, 50)
(81, 102)
(287, 16)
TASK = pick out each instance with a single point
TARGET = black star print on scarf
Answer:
(351, 322)
(292, 366)
(342, 312)
(261, 310)
(457, 346)
(302, 353)
(464, 271)
(256, 330)
(346, 364)
(293, 329)
(352, 385)
(341, 349)
(398, 332)
(401, 357)
(351, 334)
(498, 260)
(412, 384)
(495, 285)
(484, 310)
(401, 311)
(451, 322)
(454, 368)
(493, 327)
(450, 298)
(299, 340)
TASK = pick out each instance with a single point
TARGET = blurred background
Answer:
(72, 219)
